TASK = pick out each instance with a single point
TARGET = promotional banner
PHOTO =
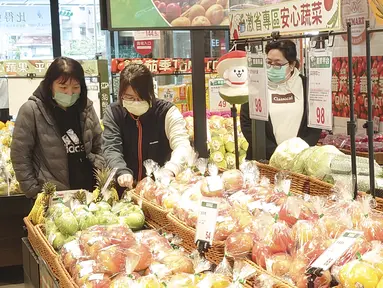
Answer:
(164, 66)
(38, 68)
(320, 102)
(286, 17)
(340, 95)
(258, 92)
(167, 14)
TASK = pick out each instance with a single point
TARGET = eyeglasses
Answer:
(276, 66)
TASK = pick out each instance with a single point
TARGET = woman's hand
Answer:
(125, 180)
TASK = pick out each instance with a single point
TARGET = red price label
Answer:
(222, 104)
(320, 115)
(258, 105)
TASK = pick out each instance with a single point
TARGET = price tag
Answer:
(207, 220)
(376, 124)
(320, 93)
(147, 35)
(336, 250)
(215, 101)
(258, 91)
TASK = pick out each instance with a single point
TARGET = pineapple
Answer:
(80, 196)
(42, 203)
(101, 177)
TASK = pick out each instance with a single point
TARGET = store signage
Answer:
(147, 35)
(258, 92)
(320, 89)
(356, 12)
(166, 66)
(143, 47)
(30, 18)
(38, 68)
(152, 14)
(286, 17)
(207, 220)
(216, 102)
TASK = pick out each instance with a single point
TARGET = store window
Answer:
(25, 30)
(81, 36)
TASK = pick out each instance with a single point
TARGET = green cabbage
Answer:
(216, 143)
(58, 240)
(222, 164)
(285, 153)
(318, 164)
(67, 223)
(56, 210)
(299, 162)
(217, 157)
(230, 146)
(135, 220)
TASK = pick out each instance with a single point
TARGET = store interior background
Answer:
(26, 34)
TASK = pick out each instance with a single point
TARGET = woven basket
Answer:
(278, 283)
(214, 254)
(32, 235)
(155, 215)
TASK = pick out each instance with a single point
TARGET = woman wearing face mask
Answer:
(287, 100)
(57, 135)
(140, 127)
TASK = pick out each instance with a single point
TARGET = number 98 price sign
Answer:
(258, 92)
(320, 92)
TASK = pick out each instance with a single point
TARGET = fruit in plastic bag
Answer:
(97, 280)
(232, 180)
(70, 253)
(279, 264)
(260, 253)
(134, 220)
(121, 235)
(239, 245)
(146, 187)
(358, 274)
(111, 259)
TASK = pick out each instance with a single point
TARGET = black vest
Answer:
(154, 143)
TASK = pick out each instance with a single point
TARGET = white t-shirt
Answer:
(286, 102)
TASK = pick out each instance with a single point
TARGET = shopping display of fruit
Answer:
(324, 162)
(194, 12)
(63, 222)
(8, 182)
(221, 138)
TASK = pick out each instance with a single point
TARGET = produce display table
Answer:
(12, 211)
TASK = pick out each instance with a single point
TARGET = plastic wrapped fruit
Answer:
(279, 264)
(232, 180)
(70, 253)
(239, 245)
(147, 187)
(358, 274)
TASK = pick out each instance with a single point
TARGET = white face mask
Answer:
(137, 108)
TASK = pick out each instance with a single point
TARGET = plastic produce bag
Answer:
(146, 187)
(318, 164)
(285, 153)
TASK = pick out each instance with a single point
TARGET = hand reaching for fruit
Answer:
(125, 180)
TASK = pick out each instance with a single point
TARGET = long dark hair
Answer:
(65, 68)
(287, 48)
(140, 78)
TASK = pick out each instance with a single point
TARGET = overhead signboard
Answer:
(169, 14)
(286, 17)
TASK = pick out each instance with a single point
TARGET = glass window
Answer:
(81, 36)
(25, 30)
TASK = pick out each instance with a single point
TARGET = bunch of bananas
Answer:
(37, 214)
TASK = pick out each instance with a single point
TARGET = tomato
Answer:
(337, 67)
(328, 4)
(374, 64)
(114, 65)
(360, 100)
(379, 58)
(380, 67)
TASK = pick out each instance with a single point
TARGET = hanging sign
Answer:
(258, 92)
(320, 89)
(143, 47)
(147, 35)
(216, 102)
(207, 220)
(286, 17)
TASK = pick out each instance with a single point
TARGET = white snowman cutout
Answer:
(232, 67)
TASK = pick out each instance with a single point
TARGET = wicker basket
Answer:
(278, 283)
(155, 215)
(32, 235)
(214, 254)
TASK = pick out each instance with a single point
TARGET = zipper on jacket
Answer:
(139, 147)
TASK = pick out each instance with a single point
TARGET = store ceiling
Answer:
(45, 2)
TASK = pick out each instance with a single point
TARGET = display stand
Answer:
(234, 114)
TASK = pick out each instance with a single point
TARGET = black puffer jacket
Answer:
(38, 153)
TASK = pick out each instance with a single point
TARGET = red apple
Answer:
(173, 11)
(120, 235)
(162, 7)
(111, 259)
(239, 244)
(260, 253)
(232, 180)
(279, 264)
